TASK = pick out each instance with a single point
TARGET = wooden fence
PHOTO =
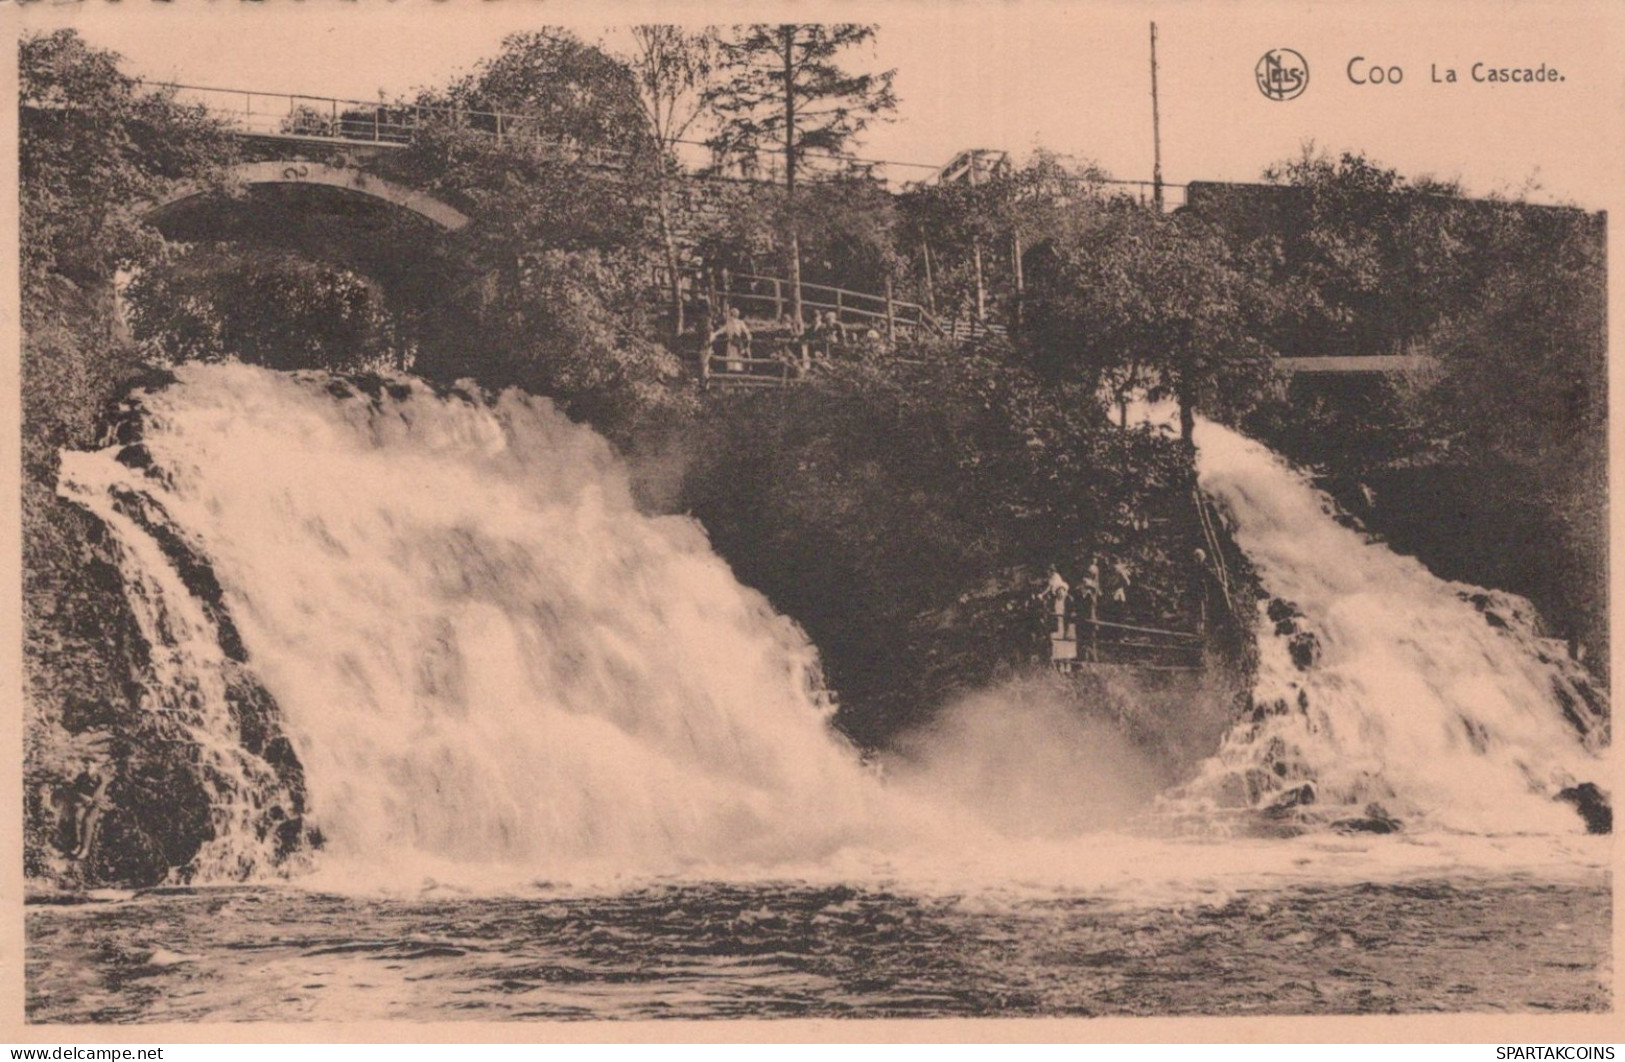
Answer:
(769, 298)
(1130, 645)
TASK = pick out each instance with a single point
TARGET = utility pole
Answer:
(789, 36)
(976, 250)
(1156, 128)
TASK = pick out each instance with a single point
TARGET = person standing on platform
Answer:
(1063, 646)
(1088, 595)
(736, 336)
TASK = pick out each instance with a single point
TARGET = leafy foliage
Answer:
(1357, 259)
(785, 93)
(672, 68)
(961, 224)
(556, 269)
(905, 519)
(1500, 449)
(559, 87)
(94, 148)
(572, 325)
(277, 309)
(846, 233)
(1142, 299)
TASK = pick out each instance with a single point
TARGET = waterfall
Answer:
(482, 652)
(1381, 683)
(194, 691)
(482, 655)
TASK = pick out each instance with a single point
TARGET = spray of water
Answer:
(485, 656)
(1029, 760)
(1379, 682)
(482, 651)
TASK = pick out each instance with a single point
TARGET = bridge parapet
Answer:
(347, 178)
(290, 116)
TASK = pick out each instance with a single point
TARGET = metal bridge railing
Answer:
(296, 116)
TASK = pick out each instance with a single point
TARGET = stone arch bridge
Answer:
(343, 176)
(316, 142)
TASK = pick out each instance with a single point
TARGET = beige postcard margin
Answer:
(1591, 30)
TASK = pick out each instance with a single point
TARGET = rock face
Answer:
(1592, 804)
(1375, 820)
(115, 790)
(1264, 766)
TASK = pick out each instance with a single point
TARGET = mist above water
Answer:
(1027, 760)
(482, 652)
(488, 660)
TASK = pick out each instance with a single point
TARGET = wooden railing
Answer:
(1130, 645)
(769, 298)
(722, 371)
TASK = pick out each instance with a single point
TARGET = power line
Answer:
(517, 118)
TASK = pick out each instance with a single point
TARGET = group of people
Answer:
(798, 345)
(1066, 605)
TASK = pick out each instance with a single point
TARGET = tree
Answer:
(1491, 464)
(946, 225)
(1147, 297)
(786, 92)
(672, 67)
(1521, 404)
(902, 516)
(278, 309)
(534, 142)
(1359, 258)
(95, 149)
(573, 328)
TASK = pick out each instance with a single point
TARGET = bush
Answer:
(905, 517)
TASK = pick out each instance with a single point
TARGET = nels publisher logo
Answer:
(1282, 74)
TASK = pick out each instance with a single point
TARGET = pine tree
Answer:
(787, 93)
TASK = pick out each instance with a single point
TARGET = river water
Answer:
(709, 950)
(564, 766)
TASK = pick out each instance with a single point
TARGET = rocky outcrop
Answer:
(1592, 804)
(116, 790)
(1375, 820)
(1581, 696)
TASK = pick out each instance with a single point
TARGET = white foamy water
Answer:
(1418, 699)
(483, 653)
(494, 668)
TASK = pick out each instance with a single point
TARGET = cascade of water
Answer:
(1379, 682)
(189, 687)
(482, 651)
(485, 656)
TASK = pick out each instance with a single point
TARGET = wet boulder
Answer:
(1304, 648)
(1284, 614)
(1592, 804)
(1288, 800)
(1375, 820)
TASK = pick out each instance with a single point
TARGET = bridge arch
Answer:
(348, 178)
